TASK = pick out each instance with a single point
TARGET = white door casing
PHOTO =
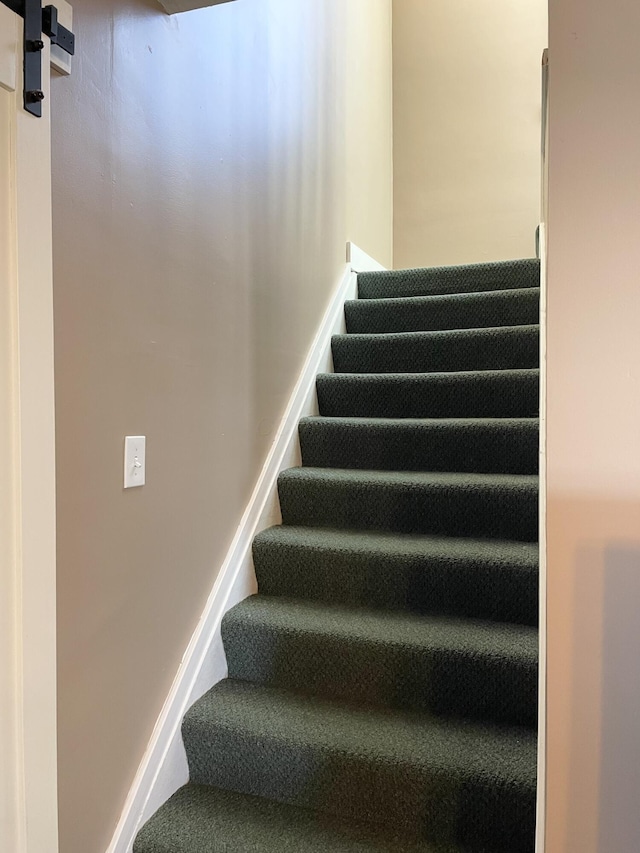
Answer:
(28, 781)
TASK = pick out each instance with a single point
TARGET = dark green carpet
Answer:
(470, 394)
(453, 350)
(482, 446)
(449, 667)
(478, 578)
(454, 311)
(434, 281)
(496, 506)
(210, 820)
(450, 781)
(382, 689)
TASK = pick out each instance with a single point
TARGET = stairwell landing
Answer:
(382, 687)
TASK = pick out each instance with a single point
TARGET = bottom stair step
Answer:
(203, 819)
(452, 783)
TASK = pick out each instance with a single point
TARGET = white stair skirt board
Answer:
(164, 765)
(360, 261)
(542, 673)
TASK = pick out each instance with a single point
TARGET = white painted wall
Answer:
(466, 129)
(593, 428)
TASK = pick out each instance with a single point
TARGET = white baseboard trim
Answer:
(542, 674)
(164, 766)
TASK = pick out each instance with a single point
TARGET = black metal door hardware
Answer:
(36, 22)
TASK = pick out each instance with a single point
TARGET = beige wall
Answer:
(369, 127)
(201, 211)
(466, 129)
(594, 428)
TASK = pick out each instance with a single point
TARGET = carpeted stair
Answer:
(382, 686)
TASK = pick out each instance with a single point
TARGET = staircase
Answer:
(382, 689)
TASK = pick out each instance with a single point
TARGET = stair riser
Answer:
(484, 512)
(477, 814)
(465, 279)
(437, 396)
(509, 449)
(481, 590)
(437, 681)
(416, 315)
(496, 349)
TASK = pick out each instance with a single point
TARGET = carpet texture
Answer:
(470, 394)
(433, 313)
(481, 445)
(437, 281)
(382, 685)
(421, 352)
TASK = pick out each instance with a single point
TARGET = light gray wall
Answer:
(203, 185)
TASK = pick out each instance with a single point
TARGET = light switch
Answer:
(135, 447)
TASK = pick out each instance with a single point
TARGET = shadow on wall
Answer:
(620, 692)
(594, 678)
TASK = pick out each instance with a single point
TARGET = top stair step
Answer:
(470, 278)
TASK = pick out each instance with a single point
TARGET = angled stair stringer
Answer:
(382, 689)
(163, 769)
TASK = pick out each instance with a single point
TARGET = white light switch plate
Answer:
(135, 447)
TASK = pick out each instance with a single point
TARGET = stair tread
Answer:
(501, 506)
(439, 334)
(435, 479)
(475, 637)
(205, 819)
(392, 302)
(435, 375)
(463, 781)
(463, 278)
(446, 423)
(419, 444)
(496, 393)
(450, 667)
(461, 749)
(443, 311)
(493, 348)
(493, 551)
